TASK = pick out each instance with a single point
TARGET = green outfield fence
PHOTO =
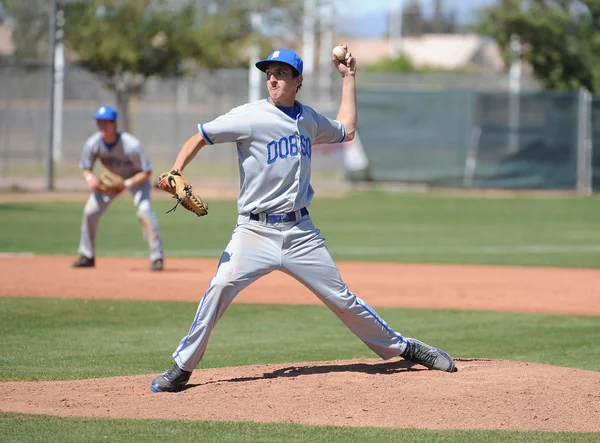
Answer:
(482, 139)
(454, 130)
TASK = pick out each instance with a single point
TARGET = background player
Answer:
(274, 230)
(120, 153)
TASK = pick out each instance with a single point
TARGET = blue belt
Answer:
(280, 218)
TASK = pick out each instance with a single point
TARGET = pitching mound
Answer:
(483, 394)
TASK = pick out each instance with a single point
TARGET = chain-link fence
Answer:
(436, 130)
(167, 113)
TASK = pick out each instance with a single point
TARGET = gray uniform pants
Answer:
(257, 248)
(99, 202)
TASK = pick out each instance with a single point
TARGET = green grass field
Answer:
(561, 231)
(51, 339)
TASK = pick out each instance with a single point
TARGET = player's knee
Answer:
(92, 210)
(145, 215)
(144, 209)
(340, 302)
(218, 292)
(223, 281)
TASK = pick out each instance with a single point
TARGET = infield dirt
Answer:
(483, 394)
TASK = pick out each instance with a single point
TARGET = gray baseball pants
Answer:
(257, 248)
(99, 202)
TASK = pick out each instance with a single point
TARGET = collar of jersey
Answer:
(112, 145)
(296, 102)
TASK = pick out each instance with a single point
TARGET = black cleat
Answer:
(171, 381)
(428, 356)
(84, 262)
(156, 265)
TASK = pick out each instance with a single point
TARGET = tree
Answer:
(415, 23)
(412, 19)
(31, 27)
(560, 38)
(126, 42)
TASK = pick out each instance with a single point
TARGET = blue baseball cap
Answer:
(106, 113)
(281, 55)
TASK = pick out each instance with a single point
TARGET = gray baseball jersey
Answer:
(274, 153)
(125, 157)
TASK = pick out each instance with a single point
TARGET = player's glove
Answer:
(110, 183)
(177, 185)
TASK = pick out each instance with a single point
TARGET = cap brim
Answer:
(262, 65)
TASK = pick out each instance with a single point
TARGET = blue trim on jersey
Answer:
(290, 111)
(185, 339)
(111, 145)
(301, 111)
(283, 109)
(204, 136)
(344, 133)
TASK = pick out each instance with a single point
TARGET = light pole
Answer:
(308, 43)
(59, 81)
(57, 64)
(396, 9)
(326, 27)
(254, 74)
(52, 57)
(514, 106)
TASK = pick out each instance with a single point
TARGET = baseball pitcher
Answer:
(274, 230)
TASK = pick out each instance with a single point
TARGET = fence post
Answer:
(473, 138)
(52, 55)
(514, 97)
(584, 142)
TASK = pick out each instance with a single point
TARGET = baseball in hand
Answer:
(339, 53)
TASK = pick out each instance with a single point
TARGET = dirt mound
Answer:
(483, 394)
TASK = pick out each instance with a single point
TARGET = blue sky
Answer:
(357, 7)
(370, 18)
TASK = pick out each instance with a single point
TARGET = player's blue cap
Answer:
(106, 113)
(281, 55)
